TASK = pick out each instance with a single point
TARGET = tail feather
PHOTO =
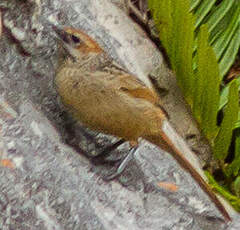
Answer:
(171, 142)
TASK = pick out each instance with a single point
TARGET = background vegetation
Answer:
(202, 40)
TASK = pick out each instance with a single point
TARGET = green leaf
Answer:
(194, 4)
(218, 14)
(183, 33)
(175, 25)
(223, 22)
(206, 93)
(200, 81)
(219, 188)
(237, 123)
(233, 168)
(236, 186)
(230, 53)
(235, 201)
(225, 94)
(151, 4)
(222, 42)
(162, 15)
(224, 136)
(224, 100)
(203, 10)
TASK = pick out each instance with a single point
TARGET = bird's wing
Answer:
(127, 83)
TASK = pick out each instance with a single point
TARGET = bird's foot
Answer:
(122, 166)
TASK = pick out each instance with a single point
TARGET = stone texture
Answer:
(46, 184)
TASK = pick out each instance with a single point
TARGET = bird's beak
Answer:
(61, 34)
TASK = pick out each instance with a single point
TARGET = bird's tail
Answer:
(171, 142)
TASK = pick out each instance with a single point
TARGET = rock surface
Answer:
(46, 184)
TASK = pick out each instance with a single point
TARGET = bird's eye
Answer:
(75, 39)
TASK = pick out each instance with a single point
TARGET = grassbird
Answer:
(106, 98)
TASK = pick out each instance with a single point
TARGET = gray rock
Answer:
(46, 184)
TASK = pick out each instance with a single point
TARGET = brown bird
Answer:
(106, 98)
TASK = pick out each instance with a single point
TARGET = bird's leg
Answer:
(101, 157)
(123, 164)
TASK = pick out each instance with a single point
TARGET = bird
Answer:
(104, 97)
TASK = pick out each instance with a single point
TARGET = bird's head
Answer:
(76, 42)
